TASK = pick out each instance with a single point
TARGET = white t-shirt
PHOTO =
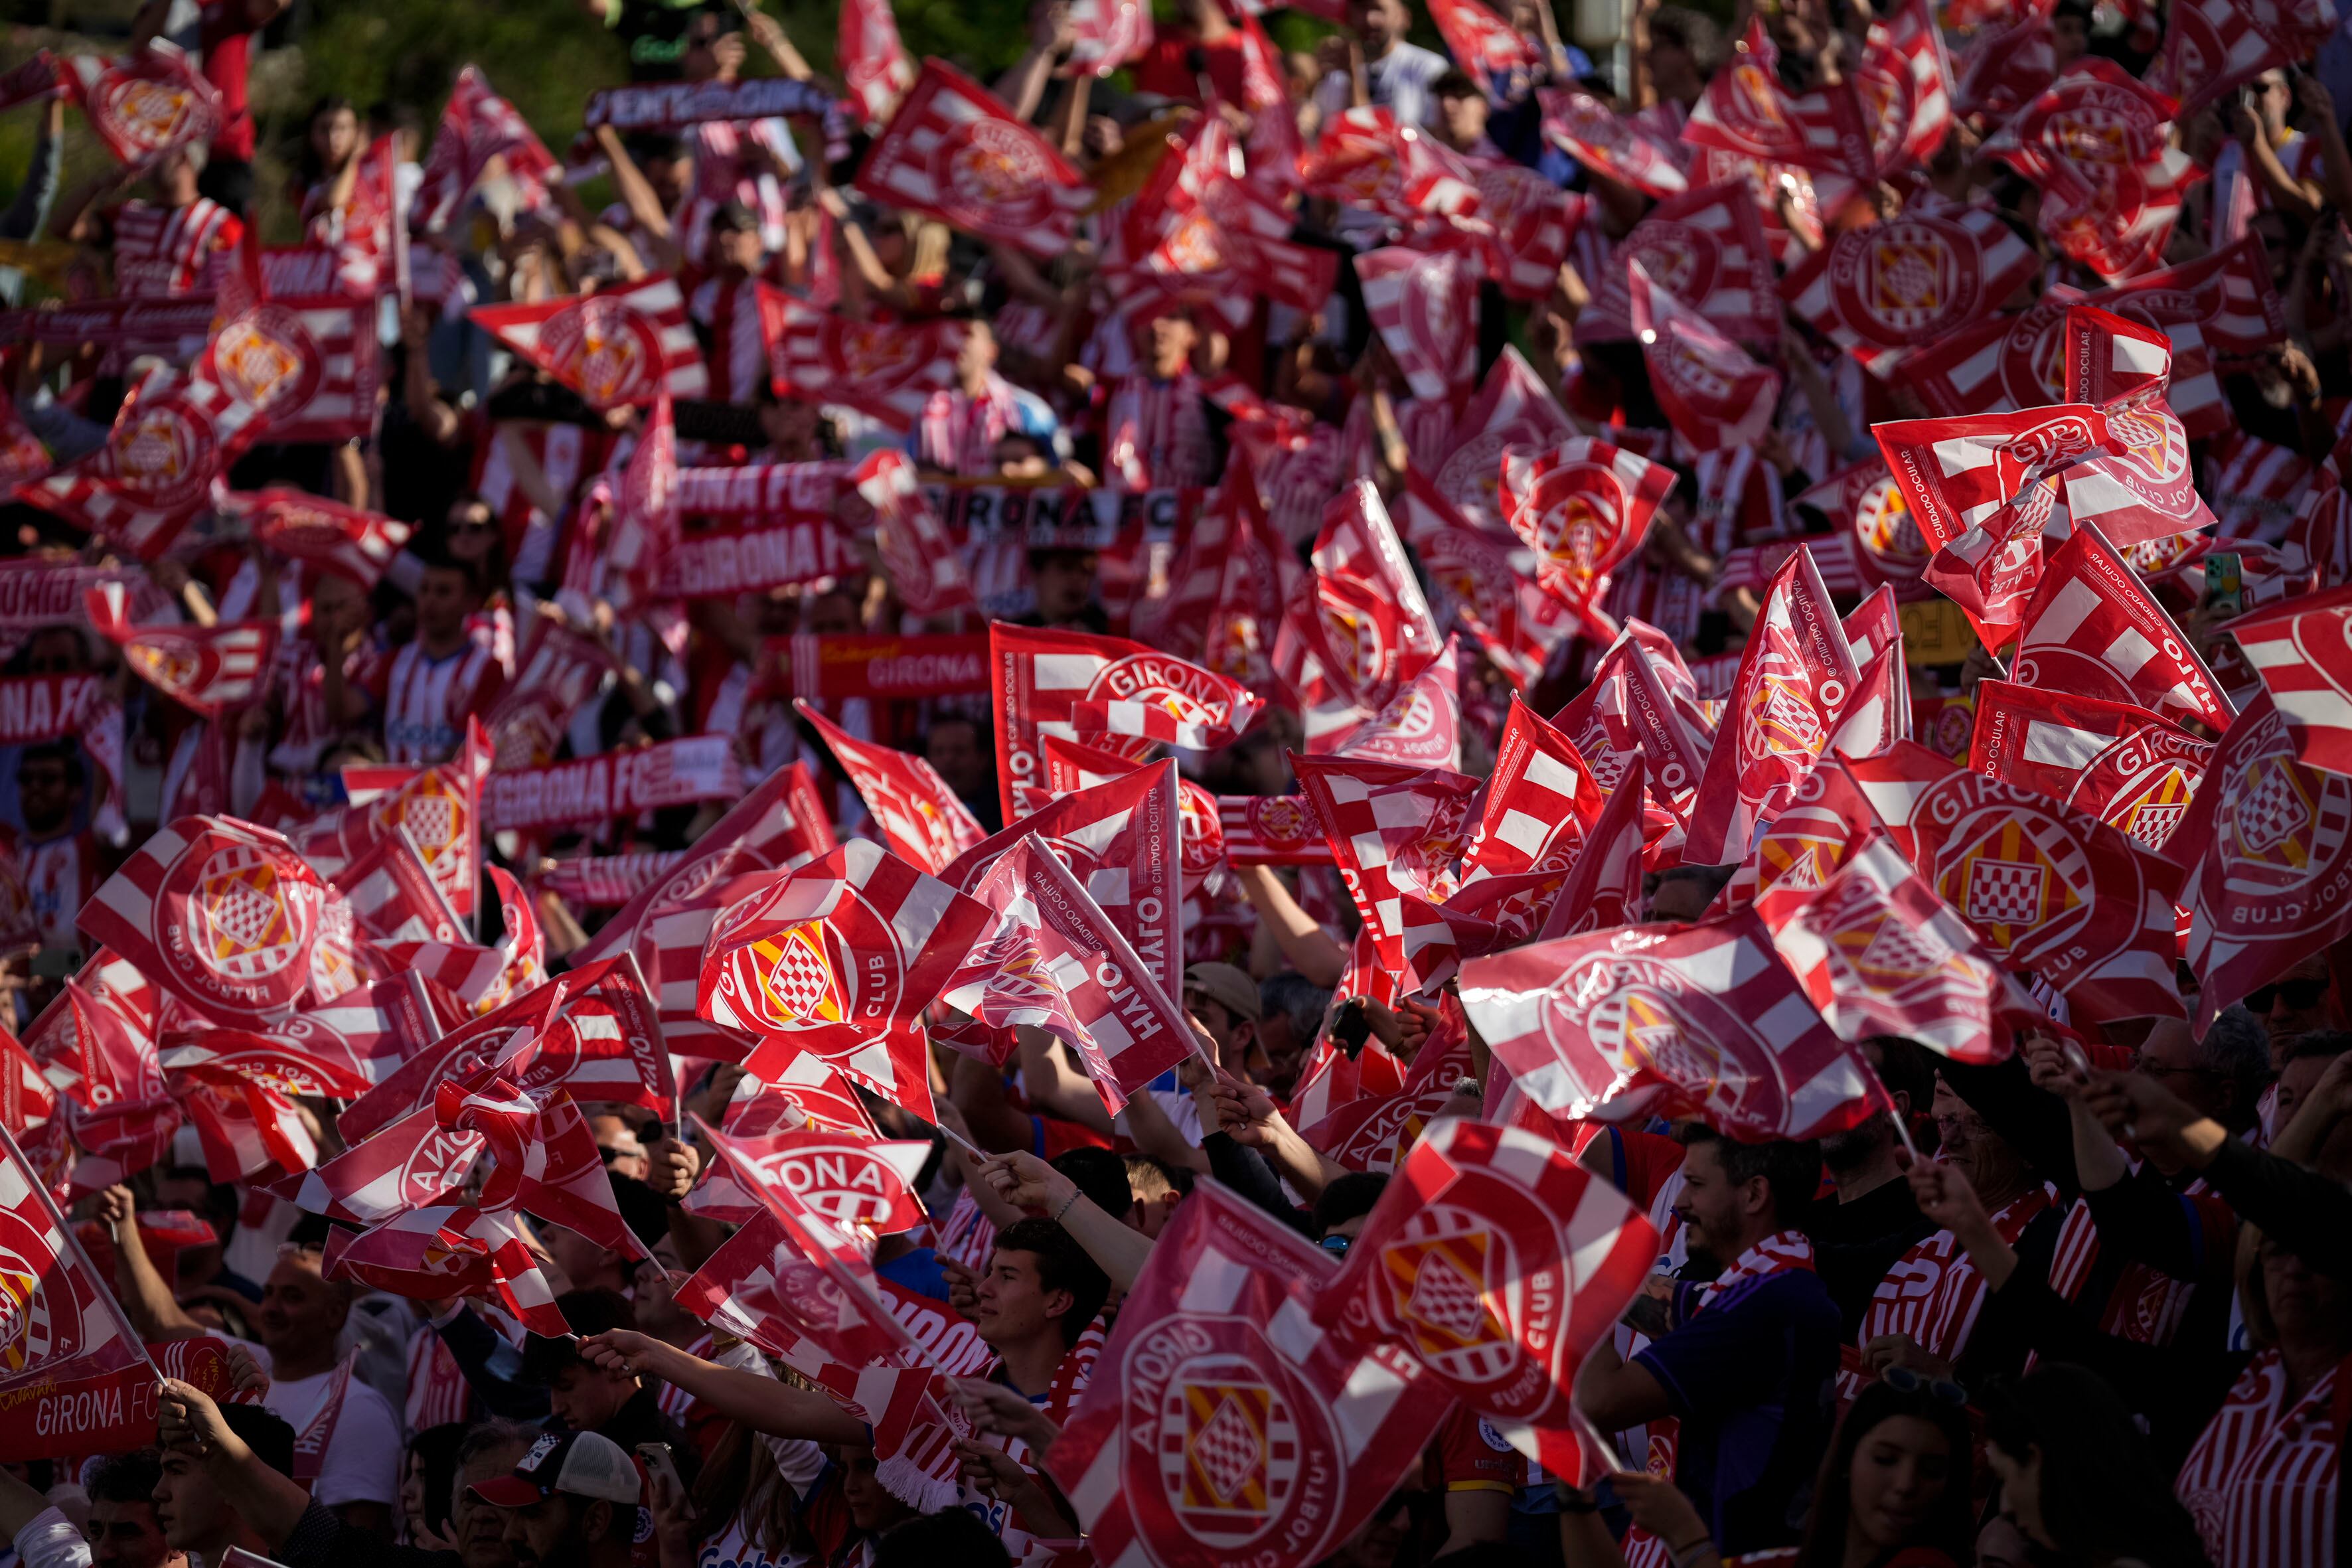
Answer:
(733, 1549)
(1398, 82)
(50, 1540)
(363, 1459)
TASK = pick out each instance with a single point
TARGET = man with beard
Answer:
(573, 1502)
(1745, 1360)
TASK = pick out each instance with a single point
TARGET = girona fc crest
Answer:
(148, 115)
(163, 452)
(2266, 811)
(2020, 875)
(1679, 258)
(246, 926)
(799, 981)
(995, 177)
(236, 921)
(606, 349)
(1913, 276)
(267, 361)
(1757, 96)
(879, 352)
(169, 663)
(1435, 1277)
(1646, 1019)
(1887, 529)
(1781, 721)
(1230, 1450)
(27, 1324)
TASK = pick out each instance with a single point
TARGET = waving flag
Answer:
(158, 468)
(1880, 291)
(477, 126)
(1628, 711)
(1367, 627)
(2113, 761)
(343, 540)
(1696, 1020)
(2093, 630)
(66, 1327)
(1420, 726)
(1795, 676)
(210, 670)
(838, 958)
(1055, 961)
(142, 105)
(1542, 803)
(1393, 830)
(1424, 305)
(1070, 768)
(439, 808)
(1513, 408)
(1714, 394)
(1533, 223)
(2213, 47)
(1594, 134)
(2299, 652)
(1879, 952)
(921, 819)
(2264, 844)
(1583, 506)
(924, 570)
(873, 62)
(1364, 158)
(953, 152)
(887, 369)
(2050, 890)
(433, 1252)
(2109, 200)
(1371, 1130)
(1706, 247)
(1605, 882)
(1497, 1262)
(1479, 588)
(618, 346)
(1275, 1432)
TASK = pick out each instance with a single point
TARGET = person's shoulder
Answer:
(1423, 62)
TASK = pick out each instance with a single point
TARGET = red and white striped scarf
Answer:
(737, 351)
(164, 252)
(2145, 1305)
(1781, 1252)
(1156, 434)
(1934, 1292)
(957, 433)
(2261, 1482)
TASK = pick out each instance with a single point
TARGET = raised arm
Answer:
(146, 1297)
(1306, 946)
(760, 1402)
(1023, 1181)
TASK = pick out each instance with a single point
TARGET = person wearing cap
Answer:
(573, 1501)
(1226, 1002)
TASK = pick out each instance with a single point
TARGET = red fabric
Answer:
(225, 37)
(1163, 67)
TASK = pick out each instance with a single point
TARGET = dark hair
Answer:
(269, 1438)
(2104, 1496)
(733, 217)
(439, 1447)
(310, 1233)
(1904, 1068)
(1456, 83)
(1101, 1175)
(645, 145)
(1296, 998)
(312, 170)
(1348, 1196)
(1949, 1525)
(1488, 1555)
(1793, 1170)
(1694, 31)
(1062, 1265)
(2078, 9)
(2236, 1050)
(62, 751)
(589, 1312)
(2327, 1043)
(951, 1535)
(128, 1478)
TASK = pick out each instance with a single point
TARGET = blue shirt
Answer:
(919, 1271)
(1753, 1380)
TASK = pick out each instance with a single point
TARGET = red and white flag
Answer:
(476, 126)
(1542, 803)
(1479, 589)
(954, 152)
(210, 670)
(1420, 725)
(433, 1252)
(2108, 201)
(1364, 158)
(1532, 223)
(1879, 952)
(216, 911)
(558, 672)
(439, 808)
(1746, 111)
(1283, 1433)
(142, 105)
(1698, 1020)
(2265, 848)
(1912, 279)
(1373, 1131)
(1480, 42)
(2093, 630)
(66, 1326)
(1707, 248)
(1394, 831)
(888, 370)
(1596, 135)
(1361, 628)
(340, 539)
(2213, 47)
(921, 819)
(838, 958)
(1605, 882)
(159, 466)
(2113, 761)
(1055, 961)
(1583, 506)
(2075, 901)
(1714, 393)
(618, 346)
(1424, 305)
(411, 1163)
(926, 571)
(1514, 408)
(1070, 767)
(645, 526)
(1628, 711)
(872, 61)
(1497, 1262)
(1795, 676)
(807, 1091)
(2227, 294)
(2298, 649)
(1106, 34)
(851, 1178)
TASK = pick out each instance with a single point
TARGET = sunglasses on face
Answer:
(2300, 995)
(1904, 1379)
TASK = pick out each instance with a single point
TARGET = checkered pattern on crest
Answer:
(2301, 652)
(1985, 260)
(659, 309)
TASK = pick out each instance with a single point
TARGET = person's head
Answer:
(302, 1311)
(1991, 1163)
(2221, 1075)
(735, 246)
(953, 1535)
(2070, 31)
(793, 426)
(177, 172)
(661, 158)
(1896, 1476)
(473, 530)
(572, 1498)
(1736, 1194)
(1154, 1189)
(1290, 1011)
(976, 357)
(957, 749)
(1170, 335)
(1381, 24)
(339, 606)
(2077, 1476)
(190, 1507)
(331, 138)
(1345, 1204)
(872, 1507)
(583, 1395)
(2307, 1057)
(2270, 96)
(2295, 1003)
(122, 1529)
(1686, 48)
(57, 650)
(617, 1142)
(1684, 892)
(1462, 110)
(2292, 1305)
(428, 1476)
(1039, 1282)
(446, 592)
(1064, 582)
(491, 1449)
(1902, 1066)
(1226, 1002)
(48, 786)
(1101, 1175)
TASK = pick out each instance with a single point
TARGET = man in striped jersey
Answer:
(60, 865)
(173, 246)
(442, 674)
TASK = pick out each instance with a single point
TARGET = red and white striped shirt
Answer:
(1933, 1293)
(2261, 1482)
(61, 874)
(165, 252)
(957, 432)
(737, 348)
(1156, 434)
(564, 453)
(301, 675)
(729, 166)
(426, 700)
